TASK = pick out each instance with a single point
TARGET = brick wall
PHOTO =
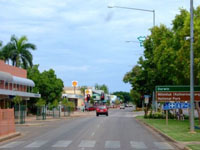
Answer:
(7, 121)
(15, 71)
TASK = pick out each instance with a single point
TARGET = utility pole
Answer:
(191, 68)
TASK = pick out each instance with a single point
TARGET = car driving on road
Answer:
(102, 110)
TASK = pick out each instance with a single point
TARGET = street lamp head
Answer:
(110, 6)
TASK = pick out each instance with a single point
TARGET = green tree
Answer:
(50, 86)
(47, 84)
(17, 101)
(136, 98)
(65, 102)
(166, 58)
(1, 53)
(83, 88)
(117, 102)
(5, 53)
(91, 100)
(108, 102)
(40, 102)
(102, 87)
(18, 51)
(124, 96)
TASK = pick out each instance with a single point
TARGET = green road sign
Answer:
(141, 40)
(183, 88)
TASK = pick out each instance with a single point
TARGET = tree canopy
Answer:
(46, 83)
(102, 87)
(18, 52)
(166, 59)
(124, 96)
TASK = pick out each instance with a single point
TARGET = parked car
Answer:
(126, 105)
(91, 108)
(102, 110)
(122, 107)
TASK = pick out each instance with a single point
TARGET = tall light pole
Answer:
(191, 68)
(147, 10)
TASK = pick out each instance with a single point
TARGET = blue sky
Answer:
(83, 40)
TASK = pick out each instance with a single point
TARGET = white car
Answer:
(122, 107)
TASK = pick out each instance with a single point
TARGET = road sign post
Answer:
(74, 84)
(167, 117)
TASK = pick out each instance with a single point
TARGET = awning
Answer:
(6, 76)
(73, 96)
(23, 81)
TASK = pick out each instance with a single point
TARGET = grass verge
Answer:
(194, 147)
(178, 130)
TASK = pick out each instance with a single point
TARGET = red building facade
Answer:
(13, 81)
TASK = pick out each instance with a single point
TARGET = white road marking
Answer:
(12, 144)
(112, 144)
(62, 144)
(163, 145)
(98, 126)
(138, 145)
(36, 144)
(87, 143)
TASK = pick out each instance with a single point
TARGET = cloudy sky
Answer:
(84, 40)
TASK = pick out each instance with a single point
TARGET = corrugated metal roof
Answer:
(6, 76)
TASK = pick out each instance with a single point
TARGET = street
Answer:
(118, 131)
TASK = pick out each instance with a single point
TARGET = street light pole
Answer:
(147, 10)
(191, 68)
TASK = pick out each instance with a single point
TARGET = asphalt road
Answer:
(118, 131)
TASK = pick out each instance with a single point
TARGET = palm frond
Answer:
(27, 56)
(28, 46)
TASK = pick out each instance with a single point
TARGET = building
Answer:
(14, 82)
(74, 95)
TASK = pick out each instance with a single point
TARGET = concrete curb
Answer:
(174, 142)
(9, 136)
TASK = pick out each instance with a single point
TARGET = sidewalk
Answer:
(33, 121)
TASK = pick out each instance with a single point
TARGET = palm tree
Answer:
(1, 54)
(83, 88)
(5, 53)
(19, 52)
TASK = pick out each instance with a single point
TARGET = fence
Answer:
(20, 113)
(41, 113)
(7, 121)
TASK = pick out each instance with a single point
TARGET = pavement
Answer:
(118, 131)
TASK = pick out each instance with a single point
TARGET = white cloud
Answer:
(83, 33)
(66, 68)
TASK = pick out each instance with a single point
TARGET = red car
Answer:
(91, 108)
(102, 110)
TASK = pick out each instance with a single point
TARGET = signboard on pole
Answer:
(176, 93)
(176, 105)
(74, 83)
(146, 99)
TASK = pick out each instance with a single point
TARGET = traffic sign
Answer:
(176, 105)
(176, 93)
(141, 40)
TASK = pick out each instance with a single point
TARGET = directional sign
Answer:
(176, 93)
(176, 105)
(141, 40)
